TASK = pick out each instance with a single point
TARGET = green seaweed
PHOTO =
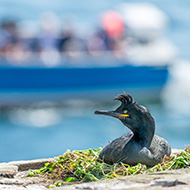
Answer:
(85, 166)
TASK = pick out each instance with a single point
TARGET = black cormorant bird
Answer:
(140, 145)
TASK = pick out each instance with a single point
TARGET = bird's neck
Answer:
(145, 134)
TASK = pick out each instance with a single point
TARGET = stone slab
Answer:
(13, 176)
(8, 170)
(175, 180)
(30, 164)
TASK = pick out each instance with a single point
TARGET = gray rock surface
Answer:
(178, 179)
(13, 176)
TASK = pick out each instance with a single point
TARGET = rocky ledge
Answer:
(13, 176)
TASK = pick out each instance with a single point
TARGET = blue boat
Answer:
(28, 83)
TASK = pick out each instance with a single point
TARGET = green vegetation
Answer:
(84, 166)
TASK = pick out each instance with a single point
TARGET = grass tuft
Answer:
(85, 166)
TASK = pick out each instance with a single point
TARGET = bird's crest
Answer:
(124, 98)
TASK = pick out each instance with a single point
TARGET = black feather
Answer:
(124, 98)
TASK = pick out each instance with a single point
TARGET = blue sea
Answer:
(45, 129)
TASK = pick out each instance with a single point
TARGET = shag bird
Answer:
(140, 145)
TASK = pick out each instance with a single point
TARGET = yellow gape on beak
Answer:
(124, 115)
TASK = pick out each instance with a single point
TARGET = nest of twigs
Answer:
(85, 166)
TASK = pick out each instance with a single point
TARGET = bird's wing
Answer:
(111, 152)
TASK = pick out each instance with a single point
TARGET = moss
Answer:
(85, 166)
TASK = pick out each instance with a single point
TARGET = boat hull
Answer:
(80, 82)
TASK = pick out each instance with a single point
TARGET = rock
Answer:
(30, 164)
(8, 170)
(176, 179)
(29, 187)
(13, 176)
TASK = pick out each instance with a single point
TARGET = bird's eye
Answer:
(125, 111)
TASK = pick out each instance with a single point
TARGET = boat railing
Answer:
(53, 58)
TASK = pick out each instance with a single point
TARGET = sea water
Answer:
(39, 131)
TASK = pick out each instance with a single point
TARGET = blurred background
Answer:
(62, 60)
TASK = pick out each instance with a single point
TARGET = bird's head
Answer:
(132, 115)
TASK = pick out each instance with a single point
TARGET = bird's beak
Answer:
(112, 113)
